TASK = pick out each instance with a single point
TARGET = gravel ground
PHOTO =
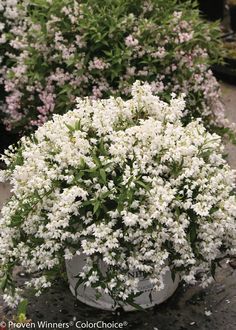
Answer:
(192, 307)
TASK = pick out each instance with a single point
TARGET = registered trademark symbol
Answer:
(3, 325)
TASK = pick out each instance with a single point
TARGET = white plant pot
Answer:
(87, 295)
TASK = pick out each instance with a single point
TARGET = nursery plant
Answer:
(11, 15)
(99, 48)
(10, 24)
(122, 181)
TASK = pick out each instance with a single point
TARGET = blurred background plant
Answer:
(12, 23)
(65, 49)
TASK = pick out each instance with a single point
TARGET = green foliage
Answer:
(70, 35)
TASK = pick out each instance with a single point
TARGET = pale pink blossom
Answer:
(130, 41)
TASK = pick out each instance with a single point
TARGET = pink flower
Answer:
(130, 41)
(185, 36)
(97, 64)
(96, 92)
(160, 53)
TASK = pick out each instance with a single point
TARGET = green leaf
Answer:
(120, 201)
(193, 233)
(3, 283)
(96, 160)
(142, 184)
(177, 212)
(96, 206)
(173, 275)
(70, 128)
(78, 283)
(82, 163)
(22, 307)
(78, 125)
(102, 148)
(103, 175)
(98, 295)
(136, 306)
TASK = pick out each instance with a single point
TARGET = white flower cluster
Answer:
(124, 182)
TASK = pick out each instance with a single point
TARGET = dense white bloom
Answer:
(124, 182)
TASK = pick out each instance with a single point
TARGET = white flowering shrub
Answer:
(120, 181)
(71, 48)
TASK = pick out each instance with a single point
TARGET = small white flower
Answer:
(208, 313)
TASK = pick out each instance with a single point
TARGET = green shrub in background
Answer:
(99, 48)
